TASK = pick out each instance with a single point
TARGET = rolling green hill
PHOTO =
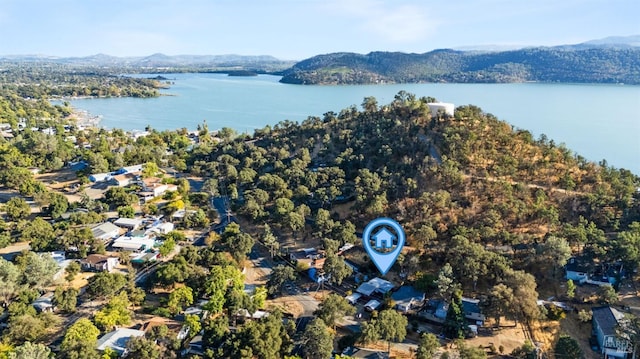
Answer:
(556, 64)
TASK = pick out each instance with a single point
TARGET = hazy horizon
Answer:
(294, 30)
(481, 47)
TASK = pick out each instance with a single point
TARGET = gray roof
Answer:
(104, 228)
(117, 339)
(375, 285)
(128, 222)
(369, 354)
(607, 319)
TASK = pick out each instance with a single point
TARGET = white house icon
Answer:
(385, 236)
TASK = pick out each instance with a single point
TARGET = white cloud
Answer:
(392, 22)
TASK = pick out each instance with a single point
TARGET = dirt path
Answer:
(528, 185)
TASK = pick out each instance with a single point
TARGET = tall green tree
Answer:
(105, 284)
(318, 341)
(455, 324)
(66, 299)
(17, 208)
(336, 268)
(10, 276)
(116, 312)
(279, 276)
(30, 350)
(555, 251)
(392, 326)
(37, 269)
(180, 298)
(446, 281)
(79, 336)
(567, 347)
(332, 308)
(427, 346)
(40, 234)
(270, 240)
(143, 348)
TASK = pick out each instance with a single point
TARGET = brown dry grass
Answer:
(287, 305)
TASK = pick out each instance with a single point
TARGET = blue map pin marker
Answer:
(383, 239)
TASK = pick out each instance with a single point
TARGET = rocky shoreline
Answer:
(85, 119)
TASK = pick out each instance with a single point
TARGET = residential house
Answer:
(125, 179)
(128, 169)
(605, 321)
(154, 186)
(99, 263)
(318, 275)
(353, 298)
(376, 286)
(372, 305)
(100, 177)
(407, 297)
(435, 310)
(129, 223)
(472, 312)
(146, 256)
(179, 215)
(196, 346)
(105, 231)
(584, 271)
(441, 107)
(576, 271)
(362, 353)
(117, 340)
(310, 257)
(161, 228)
(44, 303)
(134, 243)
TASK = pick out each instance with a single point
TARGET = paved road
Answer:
(221, 204)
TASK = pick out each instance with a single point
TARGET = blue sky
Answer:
(296, 29)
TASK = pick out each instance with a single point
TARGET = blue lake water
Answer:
(596, 121)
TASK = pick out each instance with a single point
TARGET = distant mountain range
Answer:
(609, 60)
(159, 61)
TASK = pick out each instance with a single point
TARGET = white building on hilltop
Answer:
(435, 107)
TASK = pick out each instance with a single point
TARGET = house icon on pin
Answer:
(384, 238)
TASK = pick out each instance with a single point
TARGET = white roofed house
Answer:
(441, 108)
(105, 231)
(134, 243)
(117, 340)
(128, 223)
(375, 286)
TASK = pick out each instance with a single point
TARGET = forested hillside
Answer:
(45, 80)
(559, 64)
(492, 186)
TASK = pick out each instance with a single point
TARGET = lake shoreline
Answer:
(563, 112)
